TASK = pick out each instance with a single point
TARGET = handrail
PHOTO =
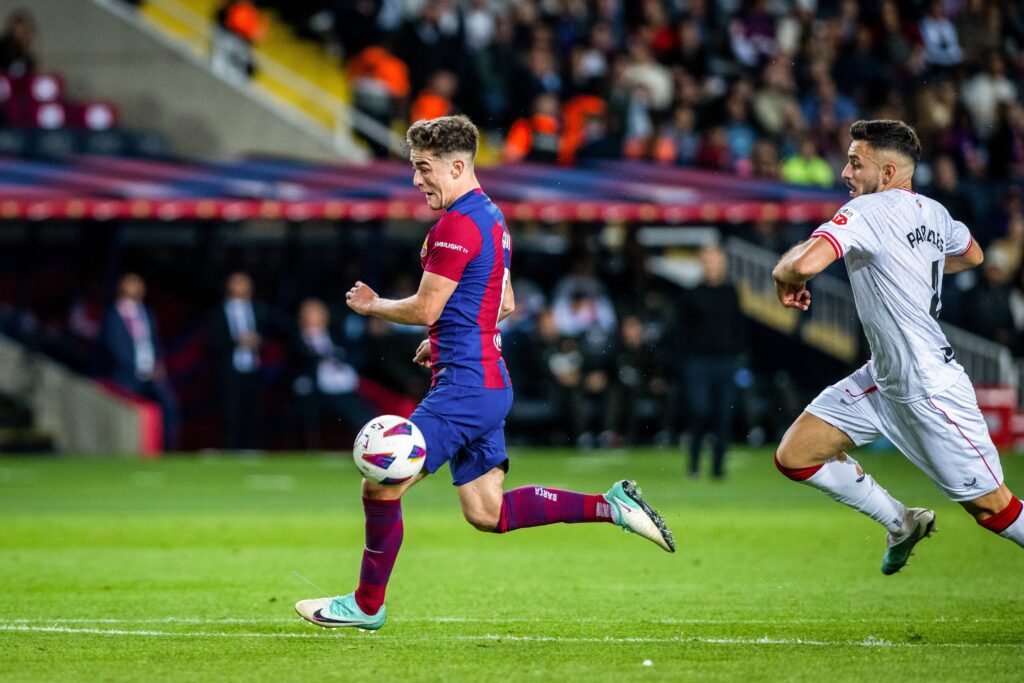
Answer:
(832, 324)
(343, 115)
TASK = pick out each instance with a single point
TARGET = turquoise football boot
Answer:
(921, 523)
(340, 611)
(631, 512)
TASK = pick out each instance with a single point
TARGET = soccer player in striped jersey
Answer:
(464, 292)
(897, 245)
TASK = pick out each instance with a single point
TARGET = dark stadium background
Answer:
(186, 139)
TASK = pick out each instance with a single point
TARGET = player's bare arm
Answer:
(972, 258)
(422, 308)
(796, 267)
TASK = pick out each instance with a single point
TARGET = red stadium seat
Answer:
(46, 87)
(25, 114)
(92, 115)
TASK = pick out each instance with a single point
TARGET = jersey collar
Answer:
(465, 198)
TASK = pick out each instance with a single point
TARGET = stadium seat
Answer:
(45, 87)
(92, 115)
(30, 114)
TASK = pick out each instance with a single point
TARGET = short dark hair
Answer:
(444, 135)
(894, 136)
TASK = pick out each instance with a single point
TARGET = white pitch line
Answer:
(669, 621)
(499, 638)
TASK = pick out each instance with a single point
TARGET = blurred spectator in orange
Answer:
(18, 44)
(435, 100)
(240, 26)
(584, 117)
(380, 83)
(242, 18)
(538, 137)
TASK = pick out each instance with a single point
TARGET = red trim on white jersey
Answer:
(831, 240)
(970, 243)
(869, 390)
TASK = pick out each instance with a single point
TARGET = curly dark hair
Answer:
(894, 136)
(444, 135)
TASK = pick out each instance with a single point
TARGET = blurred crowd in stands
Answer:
(764, 88)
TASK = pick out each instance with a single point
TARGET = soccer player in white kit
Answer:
(897, 245)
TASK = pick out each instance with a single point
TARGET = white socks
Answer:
(843, 479)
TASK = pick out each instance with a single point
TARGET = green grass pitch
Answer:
(187, 569)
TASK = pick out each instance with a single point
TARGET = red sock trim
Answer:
(502, 517)
(798, 474)
(381, 502)
(1000, 521)
(370, 598)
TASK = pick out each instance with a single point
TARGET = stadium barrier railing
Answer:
(289, 93)
(832, 325)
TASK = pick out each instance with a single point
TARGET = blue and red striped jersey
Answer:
(470, 245)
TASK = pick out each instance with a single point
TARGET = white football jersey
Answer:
(895, 245)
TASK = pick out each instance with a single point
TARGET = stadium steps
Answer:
(292, 70)
(17, 433)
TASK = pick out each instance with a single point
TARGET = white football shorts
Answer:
(945, 435)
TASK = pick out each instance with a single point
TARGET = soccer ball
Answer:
(389, 450)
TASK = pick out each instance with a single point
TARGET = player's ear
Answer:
(888, 171)
(458, 166)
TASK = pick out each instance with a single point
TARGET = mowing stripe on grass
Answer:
(499, 638)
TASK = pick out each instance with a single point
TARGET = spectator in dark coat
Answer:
(130, 352)
(715, 333)
(18, 44)
(325, 385)
(235, 340)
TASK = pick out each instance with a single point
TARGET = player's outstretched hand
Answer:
(360, 298)
(793, 296)
(422, 356)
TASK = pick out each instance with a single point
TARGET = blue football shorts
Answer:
(464, 427)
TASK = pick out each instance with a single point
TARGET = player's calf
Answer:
(482, 520)
(530, 506)
(845, 481)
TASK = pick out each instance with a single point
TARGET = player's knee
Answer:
(482, 520)
(378, 492)
(785, 458)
